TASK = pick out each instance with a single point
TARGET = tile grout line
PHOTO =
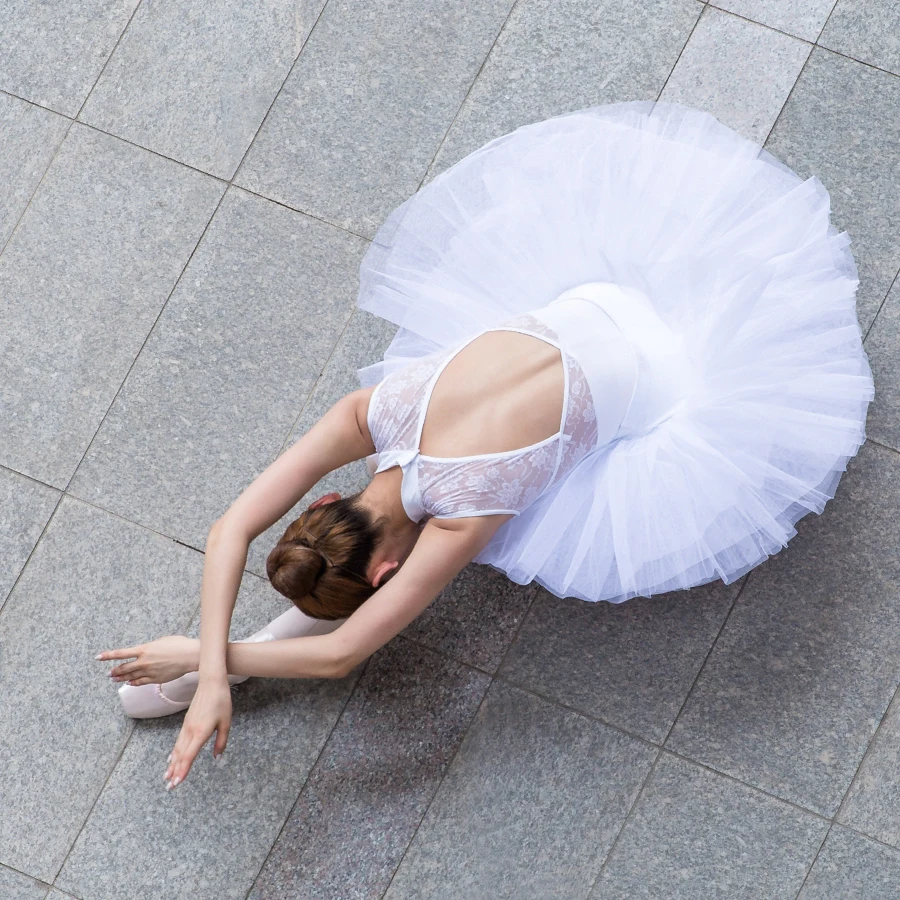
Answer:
(125, 379)
(362, 671)
(662, 746)
(284, 81)
(9, 240)
(788, 98)
(866, 754)
(459, 109)
(706, 658)
(628, 817)
(130, 729)
(880, 307)
(72, 120)
(455, 753)
(703, 7)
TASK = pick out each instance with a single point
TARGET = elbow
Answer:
(339, 668)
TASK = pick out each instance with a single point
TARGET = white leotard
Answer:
(597, 362)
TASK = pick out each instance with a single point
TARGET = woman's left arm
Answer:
(444, 548)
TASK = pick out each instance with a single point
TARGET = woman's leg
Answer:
(290, 624)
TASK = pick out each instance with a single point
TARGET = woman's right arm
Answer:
(335, 440)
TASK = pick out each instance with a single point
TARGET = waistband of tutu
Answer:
(663, 372)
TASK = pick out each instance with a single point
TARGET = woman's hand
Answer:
(210, 711)
(157, 662)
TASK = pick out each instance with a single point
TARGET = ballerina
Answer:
(627, 362)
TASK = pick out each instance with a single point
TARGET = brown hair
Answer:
(321, 559)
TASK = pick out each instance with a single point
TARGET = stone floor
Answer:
(186, 191)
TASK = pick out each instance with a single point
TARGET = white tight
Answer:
(290, 624)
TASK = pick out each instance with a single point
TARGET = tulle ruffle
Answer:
(736, 253)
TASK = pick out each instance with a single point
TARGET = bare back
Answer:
(502, 391)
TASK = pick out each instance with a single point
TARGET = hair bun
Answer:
(294, 568)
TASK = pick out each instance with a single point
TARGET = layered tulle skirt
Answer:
(738, 257)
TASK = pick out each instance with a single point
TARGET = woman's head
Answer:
(321, 562)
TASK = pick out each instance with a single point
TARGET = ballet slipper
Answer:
(151, 701)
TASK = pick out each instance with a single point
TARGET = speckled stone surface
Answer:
(872, 804)
(529, 807)
(424, 782)
(867, 30)
(52, 53)
(554, 56)
(29, 136)
(16, 886)
(95, 582)
(375, 778)
(883, 423)
(366, 107)
(737, 70)
(806, 664)
(475, 618)
(362, 343)
(850, 867)
(694, 833)
(25, 507)
(278, 728)
(85, 276)
(226, 370)
(629, 664)
(802, 18)
(233, 57)
(232, 809)
(841, 125)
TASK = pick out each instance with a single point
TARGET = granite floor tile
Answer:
(529, 807)
(850, 867)
(555, 56)
(16, 886)
(367, 104)
(52, 53)
(806, 664)
(475, 618)
(881, 345)
(738, 71)
(193, 80)
(29, 137)
(232, 809)
(85, 275)
(362, 343)
(868, 31)
(801, 18)
(25, 507)
(872, 804)
(694, 833)
(226, 370)
(94, 582)
(841, 125)
(372, 784)
(630, 664)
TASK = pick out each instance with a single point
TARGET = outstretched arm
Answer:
(443, 549)
(335, 440)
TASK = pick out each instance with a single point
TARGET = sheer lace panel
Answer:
(484, 484)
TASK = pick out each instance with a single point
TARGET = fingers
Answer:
(121, 653)
(183, 755)
(126, 670)
(221, 741)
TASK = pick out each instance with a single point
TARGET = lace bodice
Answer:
(484, 484)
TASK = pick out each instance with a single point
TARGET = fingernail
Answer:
(99, 656)
(169, 758)
(176, 780)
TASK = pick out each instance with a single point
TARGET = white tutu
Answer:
(736, 254)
